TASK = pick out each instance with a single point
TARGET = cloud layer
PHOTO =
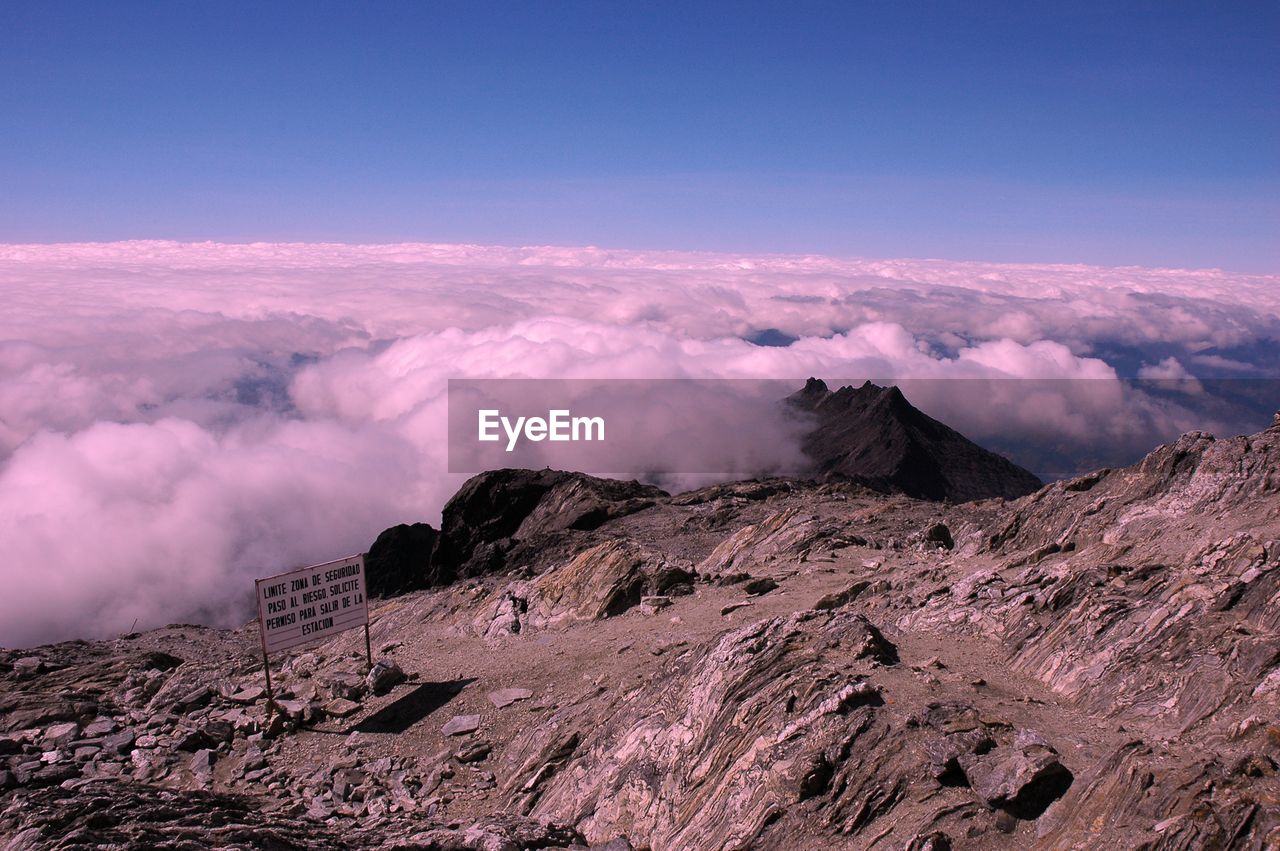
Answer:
(176, 419)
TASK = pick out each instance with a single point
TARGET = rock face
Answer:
(497, 511)
(760, 725)
(401, 560)
(493, 514)
(874, 436)
(788, 533)
(601, 581)
(1168, 560)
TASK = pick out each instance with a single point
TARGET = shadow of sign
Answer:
(405, 711)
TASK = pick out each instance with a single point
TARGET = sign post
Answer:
(310, 604)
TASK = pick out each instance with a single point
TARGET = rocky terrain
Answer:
(776, 664)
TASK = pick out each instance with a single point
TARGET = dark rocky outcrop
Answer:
(401, 559)
(872, 435)
(498, 520)
(494, 511)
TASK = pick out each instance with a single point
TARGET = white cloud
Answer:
(176, 419)
(1168, 369)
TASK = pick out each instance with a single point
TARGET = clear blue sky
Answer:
(1119, 133)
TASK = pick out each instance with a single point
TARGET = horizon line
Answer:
(589, 247)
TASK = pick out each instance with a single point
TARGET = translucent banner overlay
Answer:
(657, 429)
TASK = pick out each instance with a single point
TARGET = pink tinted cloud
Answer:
(178, 418)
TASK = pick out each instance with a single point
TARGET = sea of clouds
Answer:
(177, 419)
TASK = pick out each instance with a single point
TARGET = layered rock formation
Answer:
(759, 665)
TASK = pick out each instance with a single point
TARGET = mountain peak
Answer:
(873, 435)
(814, 388)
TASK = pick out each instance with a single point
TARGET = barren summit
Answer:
(874, 436)
(771, 664)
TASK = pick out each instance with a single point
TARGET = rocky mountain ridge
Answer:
(870, 436)
(774, 664)
(874, 436)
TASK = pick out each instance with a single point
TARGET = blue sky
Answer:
(1118, 133)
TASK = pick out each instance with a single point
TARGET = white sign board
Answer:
(311, 603)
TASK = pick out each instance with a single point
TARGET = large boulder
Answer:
(1023, 783)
